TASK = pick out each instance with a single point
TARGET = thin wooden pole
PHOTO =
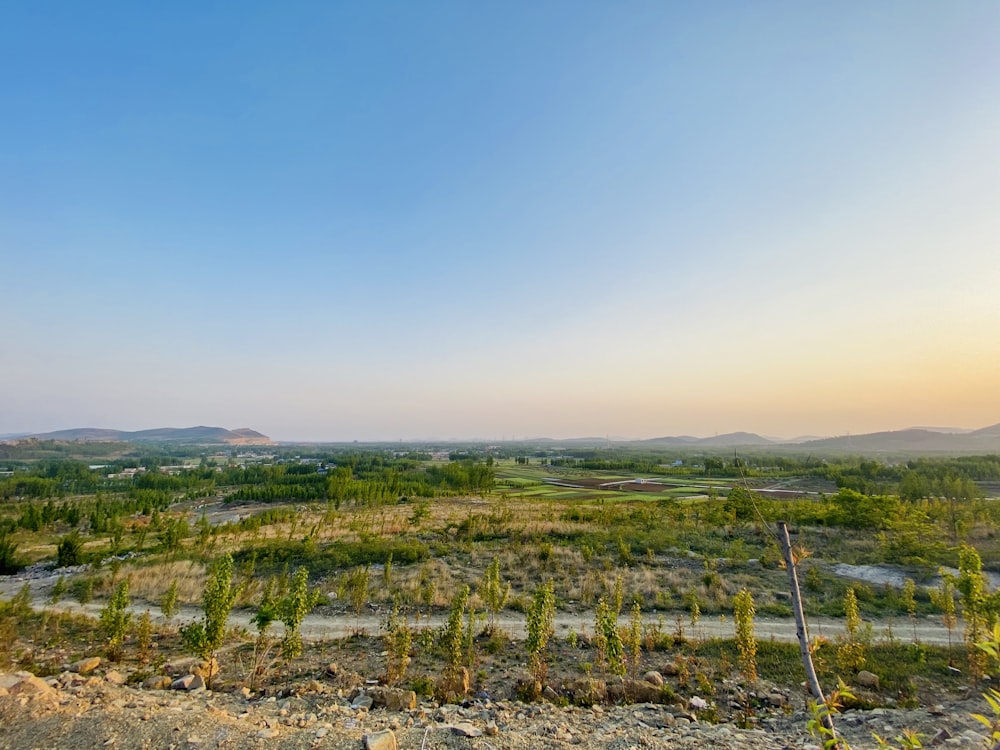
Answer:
(800, 625)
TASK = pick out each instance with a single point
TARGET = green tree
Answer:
(971, 585)
(746, 642)
(609, 641)
(205, 636)
(70, 550)
(909, 600)
(540, 622)
(168, 604)
(115, 619)
(494, 592)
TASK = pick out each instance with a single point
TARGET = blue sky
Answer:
(401, 220)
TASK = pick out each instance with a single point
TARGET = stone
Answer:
(363, 700)
(776, 699)
(268, 734)
(671, 669)
(453, 685)
(393, 699)
(333, 669)
(491, 728)
(188, 682)
(653, 677)
(31, 685)
(85, 666)
(465, 729)
(586, 691)
(207, 669)
(115, 677)
(549, 694)
(940, 738)
(384, 740)
(867, 679)
(157, 682)
(640, 691)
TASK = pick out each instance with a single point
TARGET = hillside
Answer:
(198, 435)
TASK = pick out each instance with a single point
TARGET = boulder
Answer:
(31, 685)
(393, 699)
(115, 677)
(362, 700)
(653, 677)
(465, 729)
(867, 679)
(640, 691)
(385, 740)
(207, 669)
(453, 685)
(85, 666)
(586, 691)
(188, 682)
(157, 682)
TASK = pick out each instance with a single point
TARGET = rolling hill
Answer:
(197, 435)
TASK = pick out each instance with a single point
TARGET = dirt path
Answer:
(329, 624)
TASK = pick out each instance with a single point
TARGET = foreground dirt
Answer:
(70, 711)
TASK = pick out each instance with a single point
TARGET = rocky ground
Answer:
(91, 706)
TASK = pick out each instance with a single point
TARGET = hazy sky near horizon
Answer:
(395, 220)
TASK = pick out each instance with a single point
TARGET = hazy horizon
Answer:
(387, 221)
(503, 438)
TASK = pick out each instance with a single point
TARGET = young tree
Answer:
(609, 641)
(851, 651)
(168, 604)
(540, 621)
(746, 642)
(909, 599)
(205, 636)
(494, 592)
(972, 588)
(115, 619)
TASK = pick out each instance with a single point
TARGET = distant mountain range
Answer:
(195, 435)
(914, 440)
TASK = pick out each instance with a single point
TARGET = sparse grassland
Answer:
(673, 543)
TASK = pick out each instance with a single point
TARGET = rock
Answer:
(393, 699)
(940, 738)
(465, 729)
(363, 700)
(268, 734)
(491, 728)
(776, 699)
(333, 669)
(453, 685)
(549, 694)
(385, 740)
(188, 682)
(671, 669)
(640, 691)
(207, 669)
(157, 682)
(85, 666)
(115, 677)
(653, 677)
(867, 679)
(31, 685)
(587, 691)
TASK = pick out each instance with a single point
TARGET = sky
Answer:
(396, 220)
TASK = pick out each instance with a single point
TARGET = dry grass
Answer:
(150, 582)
